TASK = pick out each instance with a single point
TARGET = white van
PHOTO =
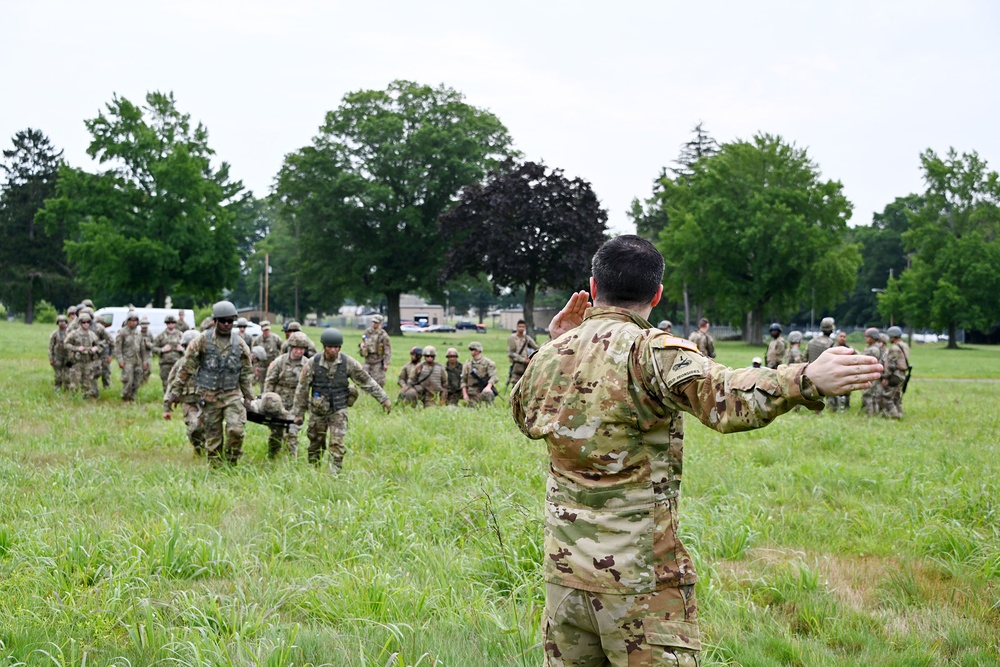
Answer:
(114, 317)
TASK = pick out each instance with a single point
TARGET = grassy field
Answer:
(821, 540)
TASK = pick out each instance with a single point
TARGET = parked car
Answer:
(411, 328)
(441, 328)
(479, 328)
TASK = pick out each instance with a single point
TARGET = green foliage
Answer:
(159, 220)
(366, 195)
(45, 312)
(953, 240)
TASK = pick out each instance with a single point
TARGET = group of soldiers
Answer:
(81, 349)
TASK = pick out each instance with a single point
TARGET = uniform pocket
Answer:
(673, 643)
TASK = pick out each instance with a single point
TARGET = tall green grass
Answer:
(821, 540)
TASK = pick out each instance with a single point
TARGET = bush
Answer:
(45, 312)
(3, 312)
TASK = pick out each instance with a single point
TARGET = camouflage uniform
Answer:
(376, 350)
(426, 384)
(58, 357)
(608, 397)
(454, 381)
(168, 358)
(107, 341)
(84, 352)
(132, 355)
(519, 348)
(870, 398)
(323, 390)
(793, 355)
(896, 363)
(192, 406)
(182, 326)
(282, 378)
(704, 341)
(476, 374)
(775, 352)
(406, 397)
(816, 347)
(310, 348)
(221, 370)
(147, 341)
(272, 348)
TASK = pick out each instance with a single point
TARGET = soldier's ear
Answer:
(659, 294)
(593, 290)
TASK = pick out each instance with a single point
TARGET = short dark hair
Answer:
(520, 322)
(703, 321)
(628, 271)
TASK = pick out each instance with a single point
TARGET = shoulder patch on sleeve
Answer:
(666, 340)
(677, 360)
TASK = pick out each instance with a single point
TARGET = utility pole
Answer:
(267, 280)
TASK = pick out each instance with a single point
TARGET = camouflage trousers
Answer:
(165, 368)
(61, 375)
(409, 396)
(228, 409)
(83, 376)
(516, 371)
(454, 396)
(104, 371)
(132, 375)
(320, 421)
(891, 401)
(287, 435)
(871, 398)
(585, 629)
(838, 403)
(414, 396)
(195, 428)
(476, 397)
(375, 369)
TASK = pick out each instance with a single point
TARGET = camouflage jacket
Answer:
(271, 345)
(173, 339)
(896, 364)
(310, 351)
(519, 348)
(404, 375)
(705, 343)
(428, 377)
(376, 346)
(793, 355)
(283, 377)
(188, 392)
(475, 374)
(818, 346)
(57, 349)
(106, 340)
(187, 367)
(775, 352)
(130, 346)
(608, 397)
(355, 371)
(454, 373)
(82, 346)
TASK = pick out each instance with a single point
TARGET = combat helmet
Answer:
(292, 325)
(61, 318)
(242, 322)
(188, 337)
(775, 326)
(85, 317)
(332, 338)
(795, 337)
(826, 325)
(224, 309)
(430, 351)
(298, 339)
(894, 332)
(259, 353)
(170, 318)
(416, 351)
(452, 352)
(872, 333)
(665, 324)
(270, 405)
(71, 310)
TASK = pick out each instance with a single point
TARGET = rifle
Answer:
(909, 370)
(258, 418)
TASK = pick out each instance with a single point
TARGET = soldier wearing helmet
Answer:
(426, 382)
(282, 378)
(220, 363)
(241, 331)
(132, 355)
(182, 326)
(776, 348)
(324, 391)
(453, 369)
(376, 350)
(666, 325)
(167, 346)
(293, 327)
(416, 355)
(147, 341)
(793, 355)
(190, 400)
(896, 374)
(83, 349)
(57, 353)
(871, 397)
(272, 348)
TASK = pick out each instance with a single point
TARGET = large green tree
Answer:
(33, 264)
(529, 227)
(954, 241)
(367, 194)
(757, 228)
(159, 220)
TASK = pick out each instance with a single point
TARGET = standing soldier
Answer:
(793, 355)
(147, 341)
(71, 317)
(241, 331)
(324, 389)
(870, 396)
(666, 325)
(776, 348)
(272, 348)
(703, 339)
(57, 353)
(107, 342)
(404, 376)
(454, 371)
(190, 401)
(132, 355)
(520, 346)
(479, 376)
(167, 345)
(282, 378)
(426, 382)
(182, 326)
(84, 352)
(220, 362)
(894, 378)
(818, 346)
(292, 327)
(376, 350)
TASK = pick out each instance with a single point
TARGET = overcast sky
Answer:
(606, 91)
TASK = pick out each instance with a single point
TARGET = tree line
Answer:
(412, 189)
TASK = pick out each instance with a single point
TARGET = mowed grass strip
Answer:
(821, 540)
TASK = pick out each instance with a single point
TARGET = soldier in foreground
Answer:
(133, 358)
(520, 346)
(84, 351)
(282, 379)
(219, 360)
(608, 395)
(324, 390)
(57, 353)
(703, 339)
(167, 345)
(776, 348)
(376, 350)
(190, 400)
(479, 377)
